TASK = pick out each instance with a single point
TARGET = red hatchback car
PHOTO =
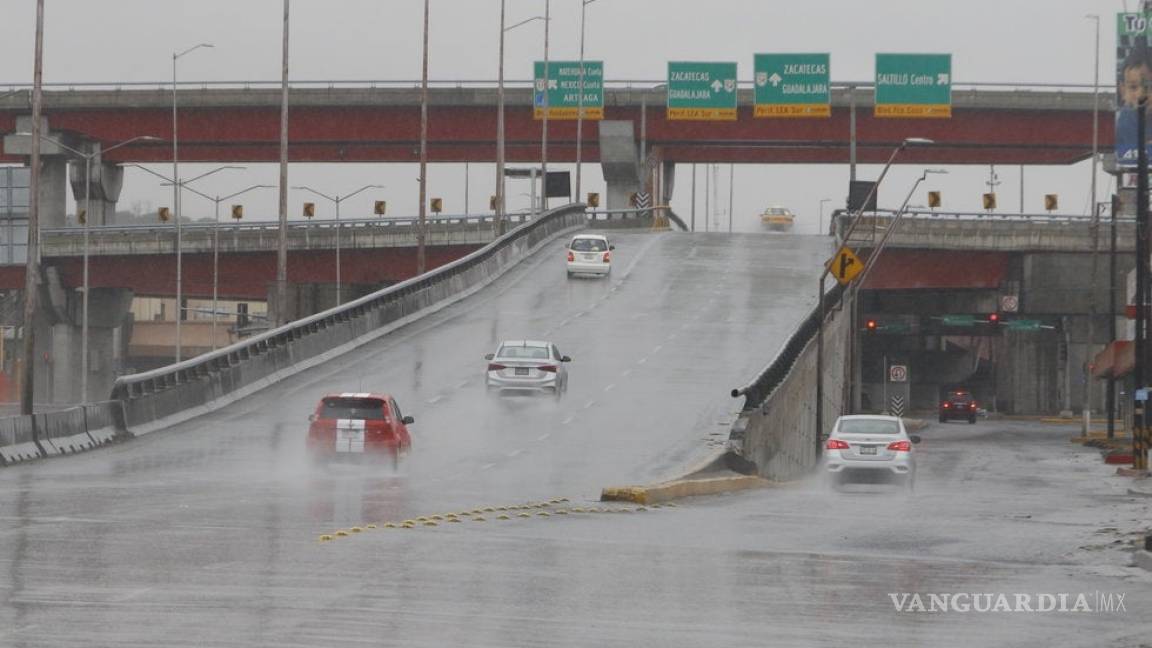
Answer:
(358, 426)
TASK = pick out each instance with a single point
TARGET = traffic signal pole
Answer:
(1139, 452)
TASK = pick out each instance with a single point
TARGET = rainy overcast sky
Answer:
(1017, 41)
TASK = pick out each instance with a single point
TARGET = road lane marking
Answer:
(610, 387)
(543, 436)
(513, 453)
(626, 372)
(435, 399)
(567, 420)
(487, 466)
(642, 360)
(657, 349)
(589, 404)
(463, 384)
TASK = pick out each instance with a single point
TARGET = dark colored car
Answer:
(958, 404)
(358, 426)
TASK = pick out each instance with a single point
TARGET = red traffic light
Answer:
(870, 325)
(993, 318)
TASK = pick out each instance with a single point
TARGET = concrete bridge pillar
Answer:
(53, 168)
(105, 183)
(620, 161)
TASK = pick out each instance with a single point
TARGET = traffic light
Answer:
(1051, 202)
(380, 208)
(871, 326)
(993, 318)
(82, 216)
(437, 205)
(164, 214)
(237, 212)
(309, 210)
(593, 200)
(989, 201)
(933, 199)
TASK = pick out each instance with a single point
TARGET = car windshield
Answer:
(526, 352)
(364, 409)
(868, 426)
(589, 245)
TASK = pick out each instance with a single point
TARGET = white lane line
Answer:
(589, 404)
(657, 349)
(435, 399)
(463, 383)
(642, 360)
(626, 372)
(487, 466)
(610, 387)
(543, 436)
(567, 420)
(513, 453)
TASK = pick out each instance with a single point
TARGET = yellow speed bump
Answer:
(544, 514)
(503, 516)
(356, 530)
(341, 534)
(389, 525)
(408, 524)
(489, 509)
(325, 538)
(479, 518)
(561, 511)
(430, 523)
(371, 526)
(525, 515)
(454, 519)
(437, 517)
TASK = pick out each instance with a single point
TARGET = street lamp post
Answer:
(176, 197)
(501, 226)
(337, 199)
(580, 99)
(183, 184)
(423, 210)
(820, 222)
(88, 157)
(216, 248)
(544, 126)
(1087, 376)
(911, 141)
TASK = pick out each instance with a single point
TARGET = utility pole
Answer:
(423, 211)
(1139, 453)
(1111, 395)
(282, 237)
(1092, 309)
(32, 266)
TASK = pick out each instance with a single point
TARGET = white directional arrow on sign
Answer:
(716, 85)
(775, 79)
(553, 84)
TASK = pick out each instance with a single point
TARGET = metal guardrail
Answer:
(220, 376)
(1039, 218)
(757, 391)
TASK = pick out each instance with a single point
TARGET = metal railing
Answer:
(985, 216)
(217, 377)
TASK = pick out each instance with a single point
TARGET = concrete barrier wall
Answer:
(178, 392)
(76, 429)
(776, 431)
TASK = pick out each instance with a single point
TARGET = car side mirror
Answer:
(312, 418)
(408, 420)
(565, 359)
(611, 247)
(489, 356)
(915, 438)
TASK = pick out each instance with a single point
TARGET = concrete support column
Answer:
(106, 182)
(620, 162)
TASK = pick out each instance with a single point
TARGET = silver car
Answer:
(868, 448)
(527, 366)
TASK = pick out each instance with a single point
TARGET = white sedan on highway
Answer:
(589, 254)
(870, 448)
(527, 367)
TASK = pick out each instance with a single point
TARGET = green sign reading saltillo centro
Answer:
(701, 91)
(563, 87)
(791, 85)
(913, 85)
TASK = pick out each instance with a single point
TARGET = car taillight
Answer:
(492, 366)
(947, 405)
(900, 446)
(571, 257)
(607, 257)
(837, 444)
(548, 368)
(972, 405)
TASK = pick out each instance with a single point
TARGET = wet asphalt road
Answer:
(206, 534)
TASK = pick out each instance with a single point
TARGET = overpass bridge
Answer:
(379, 122)
(943, 275)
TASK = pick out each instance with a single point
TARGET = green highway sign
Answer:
(913, 85)
(701, 91)
(791, 85)
(1024, 325)
(563, 88)
(958, 320)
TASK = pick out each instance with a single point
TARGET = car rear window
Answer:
(588, 245)
(526, 352)
(365, 409)
(869, 426)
